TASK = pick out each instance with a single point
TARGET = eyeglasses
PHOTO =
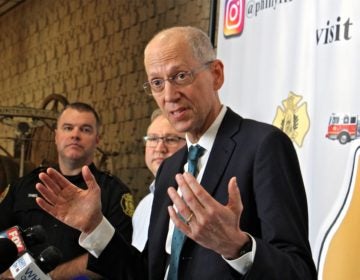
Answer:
(155, 87)
(170, 141)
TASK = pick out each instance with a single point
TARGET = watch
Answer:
(246, 248)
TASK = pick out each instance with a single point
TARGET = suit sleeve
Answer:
(120, 261)
(283, 250)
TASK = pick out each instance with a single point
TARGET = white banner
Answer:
(293, 63)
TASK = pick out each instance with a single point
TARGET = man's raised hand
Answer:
(78, 208)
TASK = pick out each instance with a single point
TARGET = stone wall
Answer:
(91, 51)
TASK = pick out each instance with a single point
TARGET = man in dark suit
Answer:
(247, 218)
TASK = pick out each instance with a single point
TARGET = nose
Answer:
(160, 146)
(170, 92)
(75, 133)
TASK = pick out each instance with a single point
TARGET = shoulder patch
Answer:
(127, 204)
(4, 193)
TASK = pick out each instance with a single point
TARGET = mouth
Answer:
(178, 114)
(74, 145)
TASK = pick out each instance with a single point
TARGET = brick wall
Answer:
(90, 51)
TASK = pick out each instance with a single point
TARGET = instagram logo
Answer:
(234, 17)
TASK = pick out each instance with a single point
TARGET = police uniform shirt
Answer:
(19, 207)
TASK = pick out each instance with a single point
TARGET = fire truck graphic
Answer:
(343, 127)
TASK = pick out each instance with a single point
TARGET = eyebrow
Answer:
(163, 135)
(82, 125)
(172, 70)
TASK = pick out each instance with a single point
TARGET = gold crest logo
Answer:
(293, 119)
(127, 204)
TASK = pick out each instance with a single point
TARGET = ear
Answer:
(217, 69)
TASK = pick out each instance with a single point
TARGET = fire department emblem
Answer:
(293, 119)
(127, 204)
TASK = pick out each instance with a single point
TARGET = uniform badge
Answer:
(127, 204)
(293, 119)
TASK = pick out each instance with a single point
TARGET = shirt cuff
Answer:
(96, 241)
(244, 263)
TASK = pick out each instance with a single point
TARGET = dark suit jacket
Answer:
(265, 164)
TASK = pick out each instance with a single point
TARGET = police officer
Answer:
(76, 138)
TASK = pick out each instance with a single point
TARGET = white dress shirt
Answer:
(141, 220)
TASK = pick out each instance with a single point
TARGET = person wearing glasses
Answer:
(161, 141)
(243, 215)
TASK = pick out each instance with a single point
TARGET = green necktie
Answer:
(195, 152)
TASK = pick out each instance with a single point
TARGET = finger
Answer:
(234, 202)
(89, 178)
(179, 203)
(49, 182)
(47, 193)
(45, 206)
(58, 178)
(201, 199)
(179, 223)
(191, 203)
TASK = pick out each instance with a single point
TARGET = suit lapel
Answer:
(219, 155)
(221, 152)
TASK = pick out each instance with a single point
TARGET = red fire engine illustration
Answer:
(343, 127)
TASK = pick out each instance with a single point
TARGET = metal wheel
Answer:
(54, 102)
(344, 138)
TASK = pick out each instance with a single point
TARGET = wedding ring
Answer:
(189, 218)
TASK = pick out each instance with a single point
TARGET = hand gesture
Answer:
(208, 222)
(78, 208)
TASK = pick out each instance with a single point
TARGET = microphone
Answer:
(28, 268)
(34, 235)
(22, 238)
(8, 253)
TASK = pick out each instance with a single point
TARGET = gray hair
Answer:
(198, 41)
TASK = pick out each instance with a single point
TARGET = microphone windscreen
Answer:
(34, 235)
(8, 253)
(49, 259)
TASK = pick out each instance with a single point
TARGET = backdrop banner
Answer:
(293, 64)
